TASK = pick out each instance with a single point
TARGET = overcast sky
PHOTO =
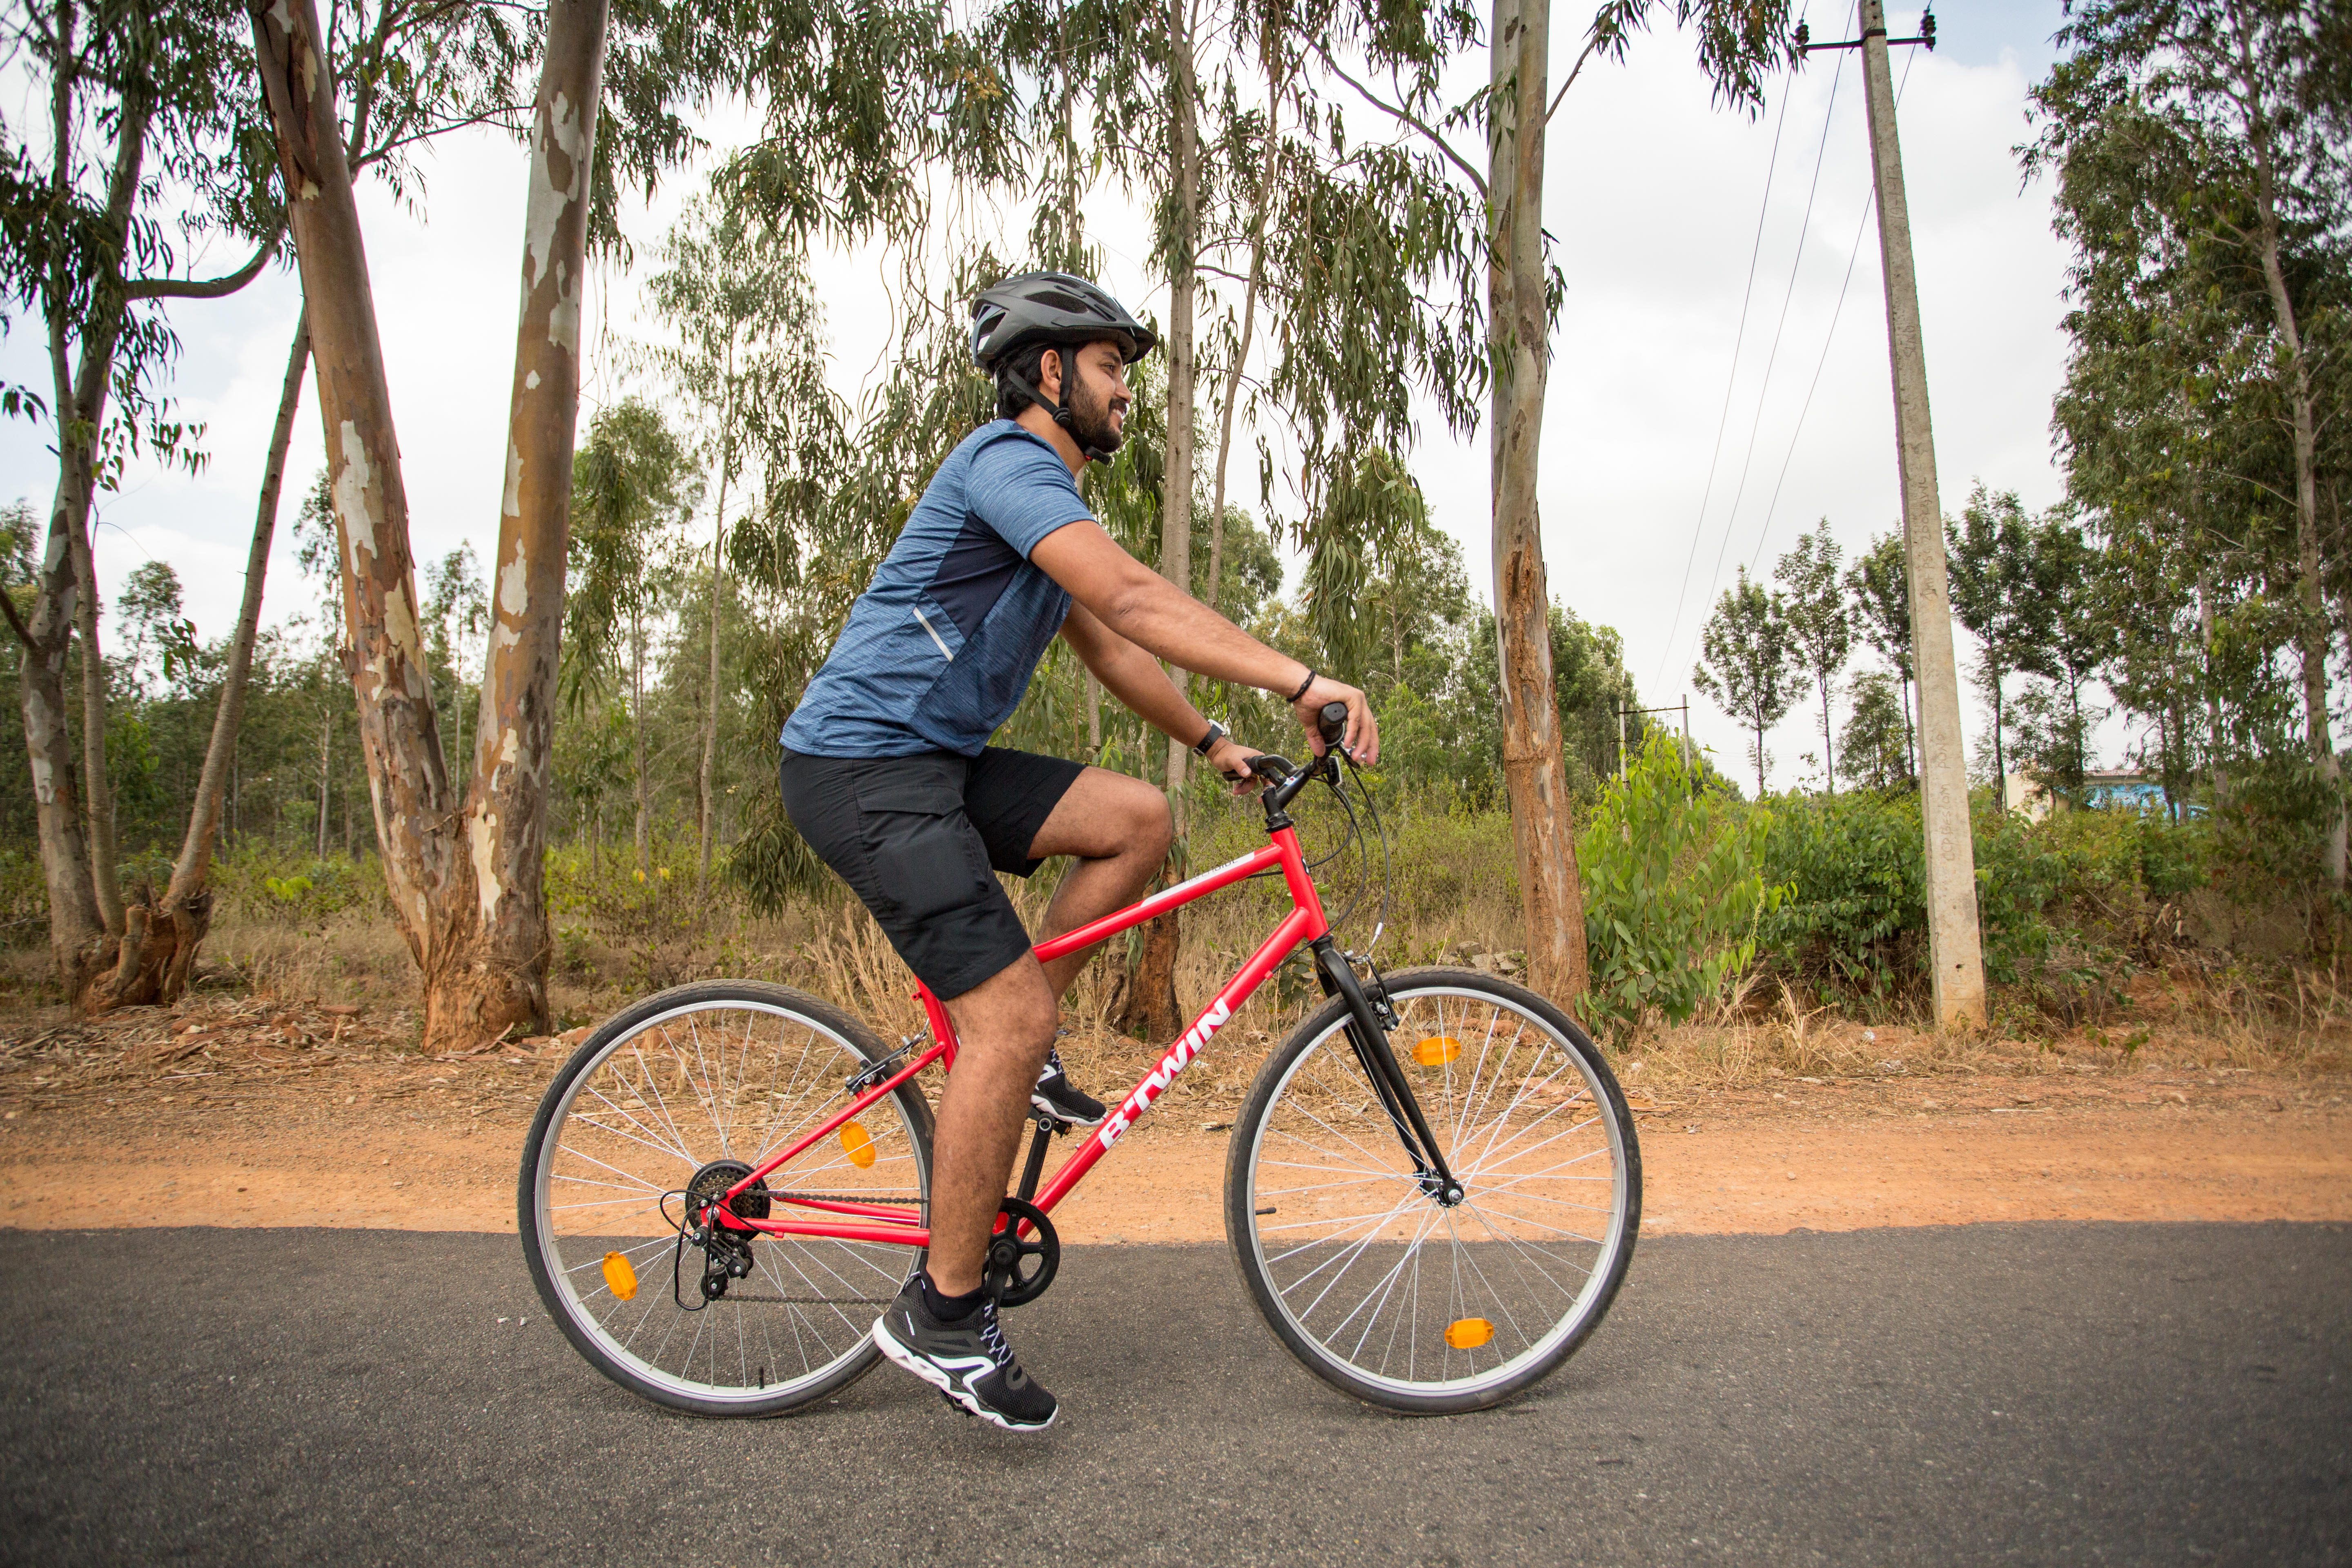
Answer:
(1653, 193)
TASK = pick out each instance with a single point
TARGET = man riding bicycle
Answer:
(888, 775)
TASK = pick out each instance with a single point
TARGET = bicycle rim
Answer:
(1363, 1274)
(667, 1089)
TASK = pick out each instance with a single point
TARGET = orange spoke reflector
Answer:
(619, 1277)
(1468, 1334)
(860, 1144)
(1437, 1050)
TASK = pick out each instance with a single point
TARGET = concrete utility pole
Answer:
(1954, 950)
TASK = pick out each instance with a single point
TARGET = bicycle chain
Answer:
(803, 1300)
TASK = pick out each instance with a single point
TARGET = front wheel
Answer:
(1374, 1284)
(685, 1093)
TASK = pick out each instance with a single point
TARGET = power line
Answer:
(1738, 339)
(1796, 265)
(1868, 206)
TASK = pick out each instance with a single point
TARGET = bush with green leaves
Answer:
(2063, 905)
(262, 881)
(1673, 892)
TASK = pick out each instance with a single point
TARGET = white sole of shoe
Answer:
(899, 1355)
(1040, 1104)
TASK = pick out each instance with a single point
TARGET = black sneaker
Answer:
(1057, 1095)
(967, 1361)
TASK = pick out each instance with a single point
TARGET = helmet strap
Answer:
(1060, 411)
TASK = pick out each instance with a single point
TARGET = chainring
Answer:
(1016, 1271)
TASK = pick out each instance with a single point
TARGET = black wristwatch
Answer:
(1216, 733)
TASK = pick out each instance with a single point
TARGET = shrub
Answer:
(1673, 891)
(265, 883)
(664, 928)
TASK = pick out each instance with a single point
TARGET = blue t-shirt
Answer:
(939, 649)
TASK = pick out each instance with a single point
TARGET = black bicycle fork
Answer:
(1370, 1042)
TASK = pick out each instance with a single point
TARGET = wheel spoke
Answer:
(744, 1068)
(1400, 1298)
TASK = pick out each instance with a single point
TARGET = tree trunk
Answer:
(1176, 498)
(703, 778)
(398, 727)
(2313, 637)
(175, 928)
(326, 756)
(97, 792)
(1543, 827)
(464, 885)
(78, 874)
(1910, 753)
(637, 725)
(1149, 1008)
(1993, 673)
(501, 983)
(1829, 758)
(1249, 319)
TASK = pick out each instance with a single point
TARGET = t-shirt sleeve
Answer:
(1020, 488)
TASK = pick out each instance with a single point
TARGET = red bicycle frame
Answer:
(876, 1223)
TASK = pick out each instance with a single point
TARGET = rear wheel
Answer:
(684, 1093)
(1375, 1286)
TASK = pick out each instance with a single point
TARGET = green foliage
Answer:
(615, 921)
(1673, 892)
(1750, 660)
(257, 880)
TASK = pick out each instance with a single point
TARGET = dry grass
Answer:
(2180, 1020)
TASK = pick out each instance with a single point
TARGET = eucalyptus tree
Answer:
(748, 358)
(1880, 583)
(148, 154)
(631, 484)
(843, 92)
(2217, 135)
(1990, 549)
(1748, 661)
(2077, 639)
(1877, 732)
(1820, 628)
(1740, 42)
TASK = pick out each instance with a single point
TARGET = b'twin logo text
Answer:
(1186, 1048)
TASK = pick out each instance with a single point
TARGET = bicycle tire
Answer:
(664, 1087)
(1387, 1298)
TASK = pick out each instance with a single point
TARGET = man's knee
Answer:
(1014, 1005)
(1151, 826)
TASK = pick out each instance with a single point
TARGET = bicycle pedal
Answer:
(952, 1405)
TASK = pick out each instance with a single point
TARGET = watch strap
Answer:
(1216, 733)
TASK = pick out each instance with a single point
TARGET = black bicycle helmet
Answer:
(1035, 309)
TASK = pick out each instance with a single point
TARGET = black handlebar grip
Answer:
(1334, 722)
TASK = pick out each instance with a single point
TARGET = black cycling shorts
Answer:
(919, 839)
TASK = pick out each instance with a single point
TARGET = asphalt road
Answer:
(2130, 1393)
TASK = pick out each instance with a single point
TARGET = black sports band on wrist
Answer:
(1303, 686)
(1216, 733)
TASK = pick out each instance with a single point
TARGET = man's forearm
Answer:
(1133, 676)
(1156, 617)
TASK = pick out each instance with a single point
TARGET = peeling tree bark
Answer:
(1535, 771)
(78, 875)
(155, 968)
(465, 878)
(408, 780)
(500, 979)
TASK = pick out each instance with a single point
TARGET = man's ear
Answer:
(1049, 374)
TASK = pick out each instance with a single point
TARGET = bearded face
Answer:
(1098, 414)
